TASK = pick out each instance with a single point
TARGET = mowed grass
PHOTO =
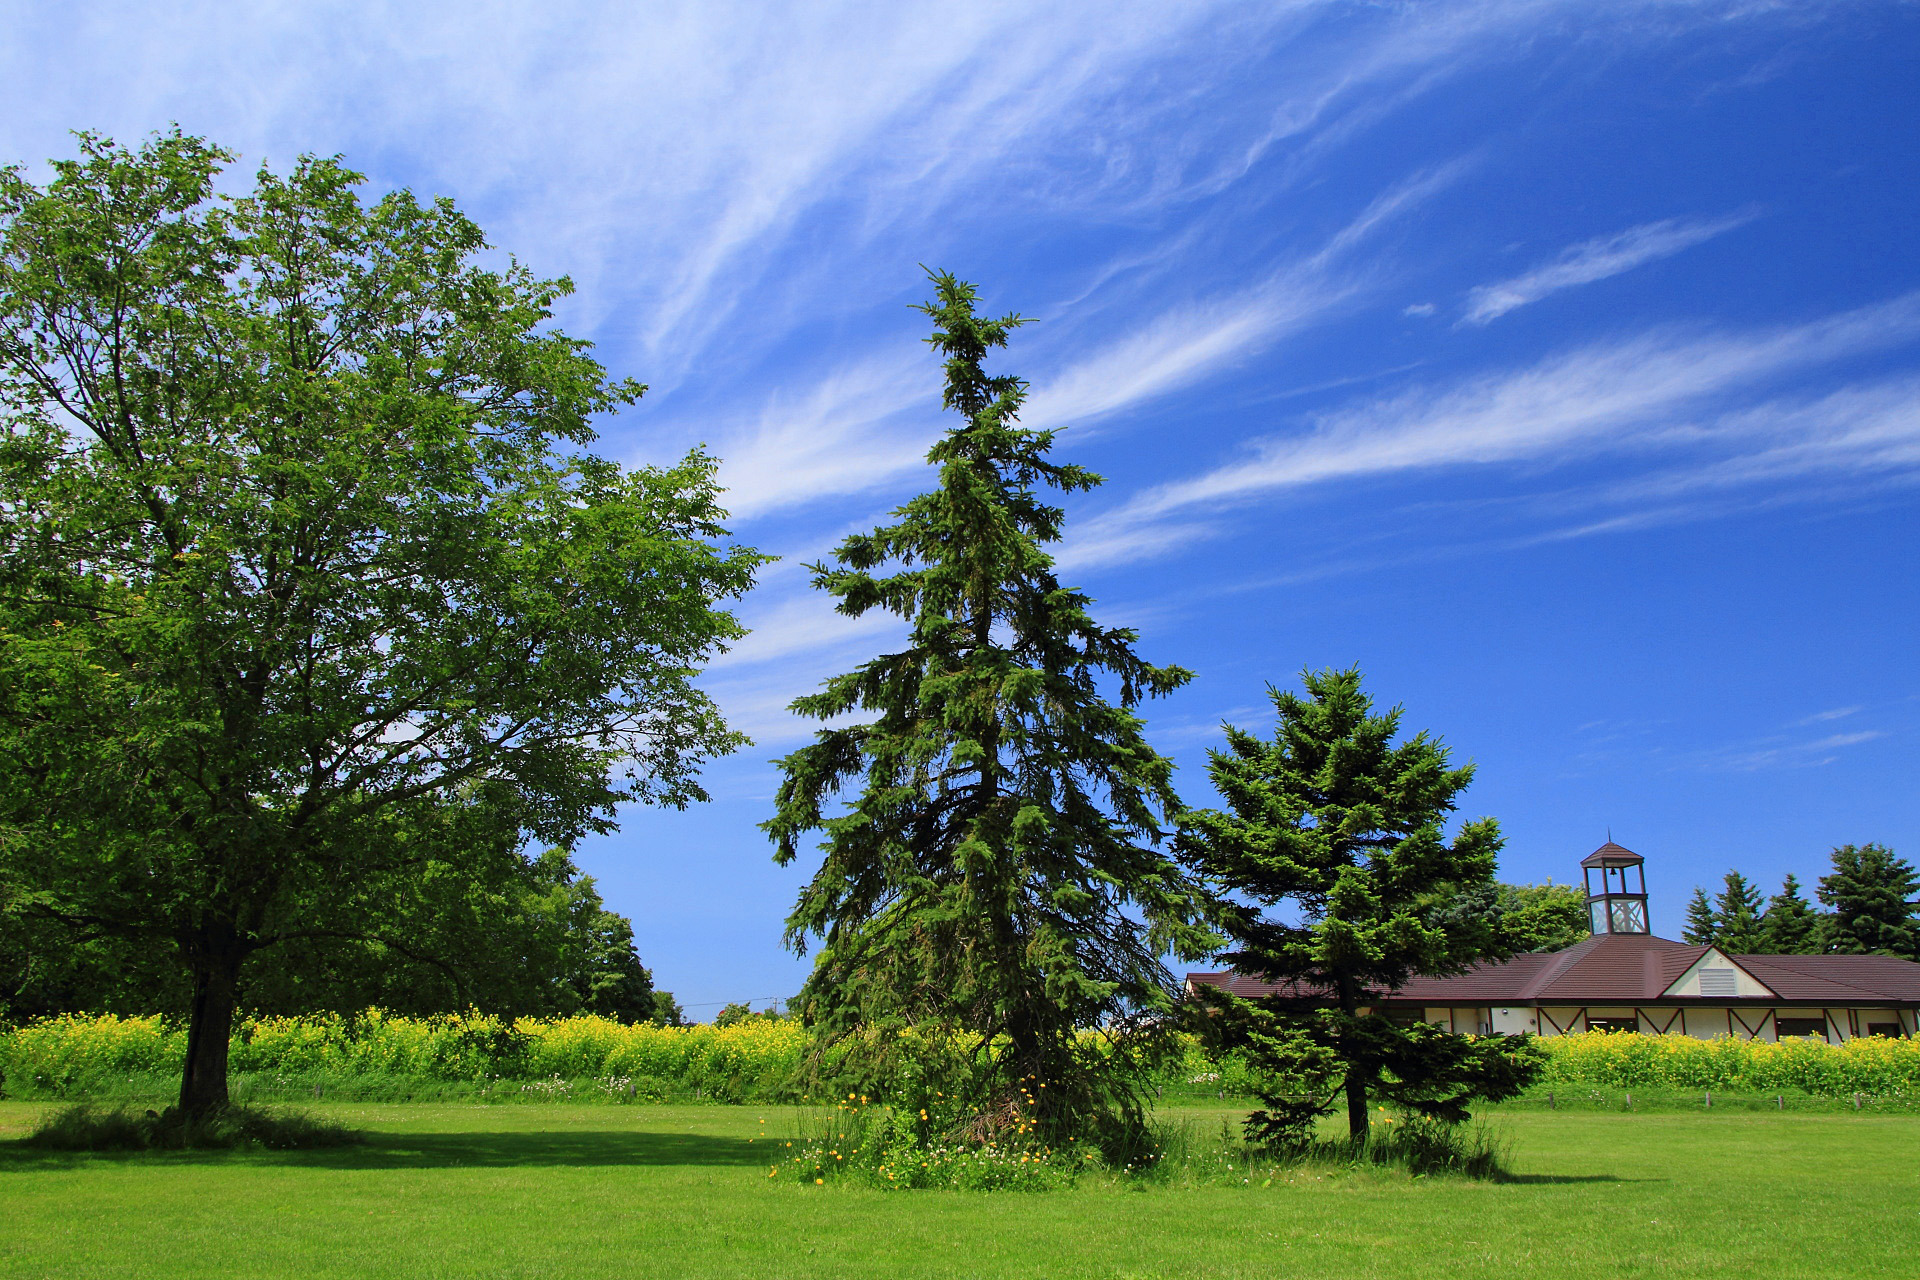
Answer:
(559, 1191)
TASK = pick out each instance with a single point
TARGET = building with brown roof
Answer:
(1625, 979)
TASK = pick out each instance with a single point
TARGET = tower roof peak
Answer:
(1612, 855)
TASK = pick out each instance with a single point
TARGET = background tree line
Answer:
(536, 942)
(1870, 904)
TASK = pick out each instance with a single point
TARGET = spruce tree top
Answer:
(1335, 817)
(987, 873)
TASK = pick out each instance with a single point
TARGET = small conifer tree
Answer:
(1346, 829)
(1737, 909)
(995, 873)
(1703, 925)
(1790, 926)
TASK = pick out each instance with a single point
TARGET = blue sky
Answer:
(1559, 363)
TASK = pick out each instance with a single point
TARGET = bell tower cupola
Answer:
(1616, 890)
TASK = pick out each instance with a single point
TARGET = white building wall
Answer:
(1513, 1021)
(1561, 1020)
(1706, 1023)
(1470, 1020)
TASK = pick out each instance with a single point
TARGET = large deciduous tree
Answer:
(306, 574)
(1343, 829)
(995, 871)
(1517, 917)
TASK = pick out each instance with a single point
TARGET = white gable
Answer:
(1714, 974)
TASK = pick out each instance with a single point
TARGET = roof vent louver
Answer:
(1718, 982)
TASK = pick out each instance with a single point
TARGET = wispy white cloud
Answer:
(846, 433)
(1778, 753)
(1658, 391)
(1595, 259)
(1185, 343)
(805, 624)
(674, 156)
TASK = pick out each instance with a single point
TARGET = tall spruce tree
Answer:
(1872, 896)
(1703, 924)
(996, 872)
(1790, 927)
(1345, 827)
(1737, 908)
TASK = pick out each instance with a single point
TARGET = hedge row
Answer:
(1870, 1064)
(758, 1058)
(753, 1058)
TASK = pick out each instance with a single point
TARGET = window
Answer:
(1629, 915)
(1718, 982)
(1613, 1024)
(1786, 1028)
(1893, 1029)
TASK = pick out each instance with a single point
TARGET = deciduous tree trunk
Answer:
(216, 993)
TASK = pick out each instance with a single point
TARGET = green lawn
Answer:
(562, 1191)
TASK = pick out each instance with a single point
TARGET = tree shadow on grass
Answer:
(1568, 1179)
(476, 1150)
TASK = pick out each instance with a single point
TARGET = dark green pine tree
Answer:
(1346, 828)
(1790, 926)
(1871, 893)
(1737, 908)
(1703, 925)
(996, 872)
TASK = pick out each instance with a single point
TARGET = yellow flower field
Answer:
(758, 1058)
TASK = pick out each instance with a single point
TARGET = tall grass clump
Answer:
(901, 1147)
(1418, 1145)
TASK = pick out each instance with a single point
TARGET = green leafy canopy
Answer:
(307, 574)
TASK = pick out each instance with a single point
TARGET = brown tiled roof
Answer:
(1240, 984)
(1607, 968)
(1836, 977)
(1627, 968)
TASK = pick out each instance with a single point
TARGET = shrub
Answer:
(900, 1148)
(1419, 1145)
